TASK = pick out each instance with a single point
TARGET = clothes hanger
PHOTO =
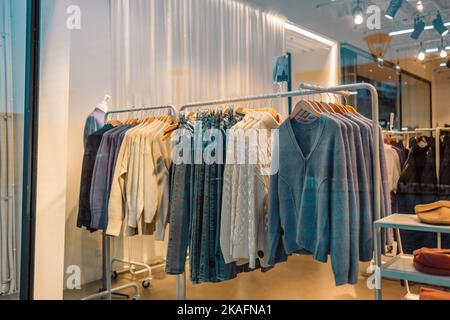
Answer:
(302, 114)
(317, 104)
(326, 106)
(338, 107)
(342, 106)
(350, 107)
(114, 122)
(304, 106)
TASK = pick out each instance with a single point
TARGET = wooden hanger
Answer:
(337, 107)
(114, 123)
(304, 105)
(325, 106)
(350, 108)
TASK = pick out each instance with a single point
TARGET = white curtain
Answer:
(180, 51)
(8, 225)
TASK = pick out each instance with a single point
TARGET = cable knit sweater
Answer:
(244, 206)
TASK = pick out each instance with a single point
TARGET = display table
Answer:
(402, 266)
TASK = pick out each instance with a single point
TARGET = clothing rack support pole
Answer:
(183, 292)
(107, 265)
(177, 287)
(181, 286)
(377, 273)
(438, 170)
(438, 154)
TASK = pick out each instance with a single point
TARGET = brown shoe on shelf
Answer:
(439, 216)
(432, 206)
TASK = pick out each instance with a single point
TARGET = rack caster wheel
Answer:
(114, 275)
(146, 284)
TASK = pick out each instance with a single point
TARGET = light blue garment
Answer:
(385, 196)
(364, 169)
(353, 188)
(309, 205)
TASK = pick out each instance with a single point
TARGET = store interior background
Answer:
(76, 73)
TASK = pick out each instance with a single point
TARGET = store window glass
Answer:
(402, 94)
(13, 22)
(416, 102)
(104, 200)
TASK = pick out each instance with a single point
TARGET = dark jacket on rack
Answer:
(445, 168)
(92, 145)
(102, 176)
(418, 185)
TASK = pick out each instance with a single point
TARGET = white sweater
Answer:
(244, 203)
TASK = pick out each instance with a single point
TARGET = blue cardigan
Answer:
(310, 200)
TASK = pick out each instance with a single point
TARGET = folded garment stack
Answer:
(433, 261)
(437, 213)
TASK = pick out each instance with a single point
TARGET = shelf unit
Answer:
(402, 267)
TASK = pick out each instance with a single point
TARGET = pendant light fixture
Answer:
(422, 54)
(358, 14)
(443, 53)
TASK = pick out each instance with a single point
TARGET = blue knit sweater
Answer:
(310, 200)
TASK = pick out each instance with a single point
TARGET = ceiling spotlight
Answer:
(358, 15)
(393, 8)
(421, 56)
(439, 25)
(419, 27)
(398, 70)
(420, 6)
(443, 64)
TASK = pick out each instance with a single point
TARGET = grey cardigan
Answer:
(309, 203)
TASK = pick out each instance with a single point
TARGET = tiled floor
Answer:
(299, 279)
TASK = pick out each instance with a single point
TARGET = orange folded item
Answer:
(432, 206)
(432, 261)
(437, 213)
(432, 294)
(440, 216)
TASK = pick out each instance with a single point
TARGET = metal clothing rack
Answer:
(107, 289)
(310, 89)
